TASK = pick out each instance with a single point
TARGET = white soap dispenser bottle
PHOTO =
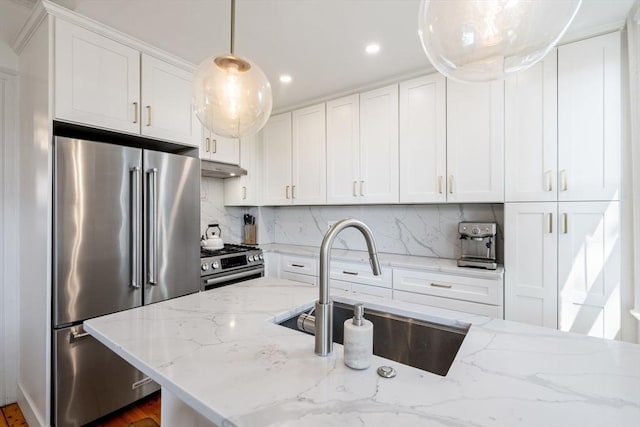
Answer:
(358, 340)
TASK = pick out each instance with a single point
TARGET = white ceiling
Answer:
(320, 43)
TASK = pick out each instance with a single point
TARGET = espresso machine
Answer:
(478, 240)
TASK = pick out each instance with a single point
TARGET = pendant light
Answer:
(483, 40)
(231, 95)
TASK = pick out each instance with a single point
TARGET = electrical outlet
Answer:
(330, 224)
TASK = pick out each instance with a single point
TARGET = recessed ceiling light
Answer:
(372, 49)
(285, 78)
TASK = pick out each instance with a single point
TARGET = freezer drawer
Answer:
(90, 380)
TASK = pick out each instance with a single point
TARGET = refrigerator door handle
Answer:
(153, 227)
(135, 228)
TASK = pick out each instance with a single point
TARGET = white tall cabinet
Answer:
(276, 160)
(562, 216)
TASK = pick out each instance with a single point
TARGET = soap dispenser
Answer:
(358, 340)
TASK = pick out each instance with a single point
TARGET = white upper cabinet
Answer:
(218, 148)
(531, 133)
(475, 142)
(531, 260)
(276, 160)
(423, 140)
(589, 268)
(103, 83)
(379, 146)
(243, 190)
(343, 150)
(589, 119)
(166, 101)
(97, 80)
(309, 161)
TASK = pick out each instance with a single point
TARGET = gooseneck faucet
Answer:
(324, 305)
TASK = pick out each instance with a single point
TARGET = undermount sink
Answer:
(418, 343)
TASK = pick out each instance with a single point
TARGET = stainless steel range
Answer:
(231, 264)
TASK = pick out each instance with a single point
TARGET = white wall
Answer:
(8, 226)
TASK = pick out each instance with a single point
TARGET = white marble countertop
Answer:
(442, 265)
(220, 352)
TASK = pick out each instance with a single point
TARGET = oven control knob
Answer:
(261, 256)
(215, 265)
(204, 266)
(250, 258)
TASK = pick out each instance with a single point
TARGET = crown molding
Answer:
(46, 7)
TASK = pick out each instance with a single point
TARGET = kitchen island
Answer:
(221, 359)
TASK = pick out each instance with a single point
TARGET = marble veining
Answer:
(220, 352)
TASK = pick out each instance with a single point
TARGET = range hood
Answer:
(220, 170)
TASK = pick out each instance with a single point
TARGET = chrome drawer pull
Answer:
(297, 265)
(353, 273)
(438, 285)
(138, 384)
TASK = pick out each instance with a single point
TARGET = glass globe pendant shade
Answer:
(483, 40)
(231, 96)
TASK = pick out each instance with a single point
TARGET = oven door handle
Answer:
(234, 276)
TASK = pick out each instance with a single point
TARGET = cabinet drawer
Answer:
(300, 265)
(494, 311)
(462, 288)
(357, 272)
(304, 278)
(359, 288)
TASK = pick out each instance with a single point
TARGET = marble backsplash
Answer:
(422, 230)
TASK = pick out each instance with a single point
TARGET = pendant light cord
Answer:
(233, 24)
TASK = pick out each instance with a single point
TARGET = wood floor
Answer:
(139, 414)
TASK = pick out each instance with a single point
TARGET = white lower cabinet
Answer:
(300, 268)
(461, 293)
(562, 266)
(531, 263)
(589, 268)
(357, 277)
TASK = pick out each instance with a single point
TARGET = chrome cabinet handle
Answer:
(153, 227)
(355, 188)
(215, 146)
(351, 273)
(548, 180)
(135, 227)
(440, 184)
(148, 115)
(207, 145)
(563, 176)
(438, 285)
(565, 223)
(135, 112)
(550, 229)
(293, 191)
(450, 184)
(244, 193)
(287, 192)
(362, 188)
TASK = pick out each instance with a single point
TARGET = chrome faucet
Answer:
(324, 305)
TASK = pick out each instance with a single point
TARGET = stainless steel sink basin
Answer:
(418, 343)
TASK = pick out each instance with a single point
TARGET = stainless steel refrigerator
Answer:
(126, 233)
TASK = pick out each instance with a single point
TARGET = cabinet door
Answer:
(423, 140)
(343, 150)
(531, 263)
(531, 126)
(166, 101)
(475, 142)
(242, 191)
(379, 178)
(225, 150)
(97, 80)
(276, 160)
(589, 268)
(309, 156)
(589, 122)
